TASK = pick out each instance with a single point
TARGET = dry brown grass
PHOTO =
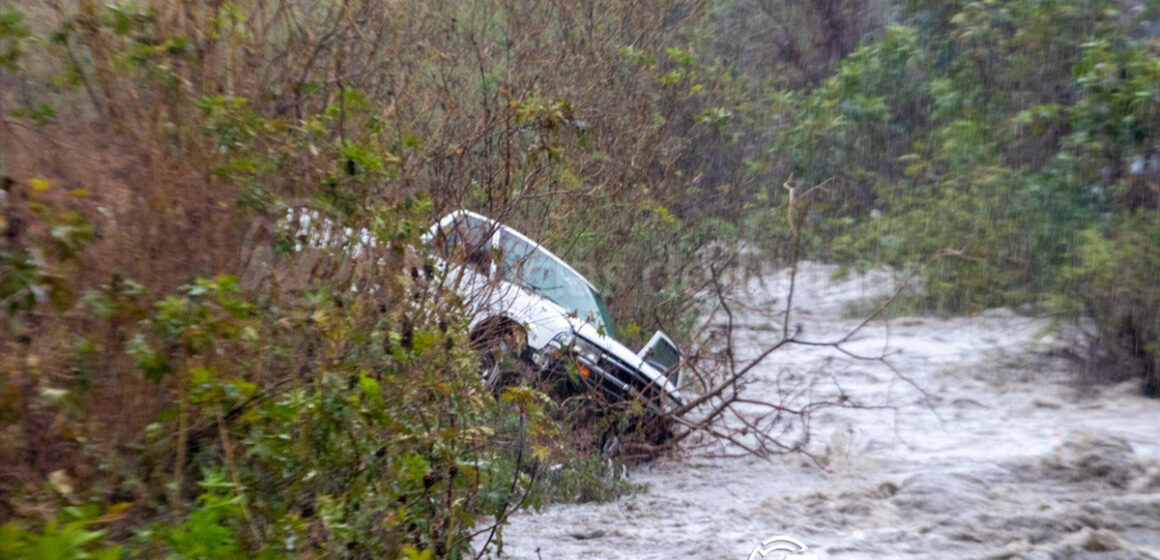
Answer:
(156, 223)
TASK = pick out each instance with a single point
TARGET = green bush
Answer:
(1115, 280)
(74, 535)
(993, 134)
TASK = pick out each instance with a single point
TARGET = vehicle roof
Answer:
(499, 226)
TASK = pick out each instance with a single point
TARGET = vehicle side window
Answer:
(522, 263)
(514, 255)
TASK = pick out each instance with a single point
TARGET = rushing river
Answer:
(1001, 454)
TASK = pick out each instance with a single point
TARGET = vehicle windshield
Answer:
(533, 269)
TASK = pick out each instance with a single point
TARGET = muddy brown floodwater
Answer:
(1003, 458)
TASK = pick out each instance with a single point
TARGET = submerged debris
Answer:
(1091, 455)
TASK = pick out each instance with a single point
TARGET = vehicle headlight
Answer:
(579, 347)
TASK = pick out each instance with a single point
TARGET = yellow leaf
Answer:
(39, 185)
(118, 508)
(412, 553)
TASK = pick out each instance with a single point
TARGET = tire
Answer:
(502, 349)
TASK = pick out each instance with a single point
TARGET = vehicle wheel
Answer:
(502, 350)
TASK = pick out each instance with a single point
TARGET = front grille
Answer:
(649, 391)
(610, 376)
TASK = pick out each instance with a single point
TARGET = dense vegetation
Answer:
(1016, 138)
(156, 401)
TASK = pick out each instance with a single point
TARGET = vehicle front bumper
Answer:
(583, 363)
